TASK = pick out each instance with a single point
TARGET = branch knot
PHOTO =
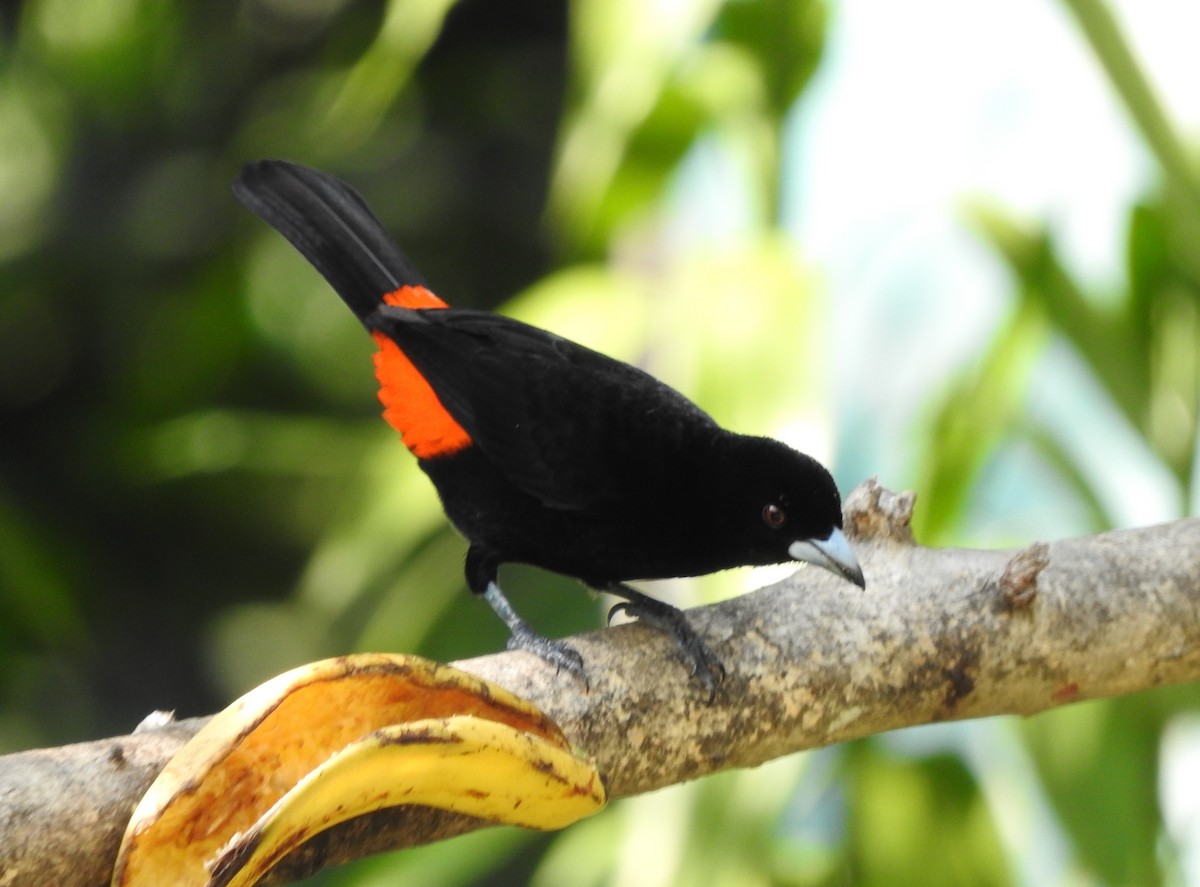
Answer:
(1016, 587)
(873, 512)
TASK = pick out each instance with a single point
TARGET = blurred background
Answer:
(954, 245)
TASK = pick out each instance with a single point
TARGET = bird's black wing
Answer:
(574, 428)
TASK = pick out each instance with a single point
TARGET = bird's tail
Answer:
(331, 225)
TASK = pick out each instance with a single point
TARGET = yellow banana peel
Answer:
(464, 764)
(280, 763)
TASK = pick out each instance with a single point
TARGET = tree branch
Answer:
(938, 635)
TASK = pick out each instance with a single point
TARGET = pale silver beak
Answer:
(833, 554)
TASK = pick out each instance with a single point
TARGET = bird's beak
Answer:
(833, 554)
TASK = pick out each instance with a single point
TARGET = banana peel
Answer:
(342, 737)
(463, 764)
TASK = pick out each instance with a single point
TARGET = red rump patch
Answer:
(413, 297)
(410, 404)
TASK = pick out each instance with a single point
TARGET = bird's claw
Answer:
(560, 654)
(703, 663)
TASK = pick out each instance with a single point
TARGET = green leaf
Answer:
(1098, 764)
(982, 406)
(1120, 363)
(920, 822)
(786, 39)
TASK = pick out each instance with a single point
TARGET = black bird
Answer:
(546, 452)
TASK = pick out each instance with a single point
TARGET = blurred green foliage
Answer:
(196, 491)
(1142, 346)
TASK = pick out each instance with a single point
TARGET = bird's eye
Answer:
(774, 516)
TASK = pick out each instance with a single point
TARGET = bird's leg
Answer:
(481, 567)
(703, 662)
(522, 636)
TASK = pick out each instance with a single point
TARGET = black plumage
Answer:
(549, 453)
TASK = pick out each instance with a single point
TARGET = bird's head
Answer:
(788, 509)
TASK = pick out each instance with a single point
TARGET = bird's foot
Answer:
(703, 662)
(560, 654)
